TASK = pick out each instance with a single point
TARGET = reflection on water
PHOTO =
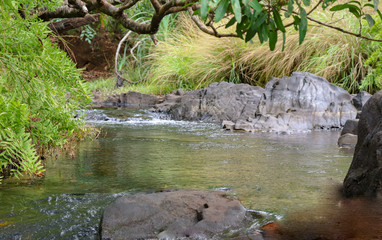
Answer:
(142, 152)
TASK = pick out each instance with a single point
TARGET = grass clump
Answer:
(192, 59)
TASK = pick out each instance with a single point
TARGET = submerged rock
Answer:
(172, 215)
(301, 102)
(365, 173)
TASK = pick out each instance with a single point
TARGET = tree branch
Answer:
(336, 28)
(156, 5)
(72, 23)
(202, 27)
(127, 5)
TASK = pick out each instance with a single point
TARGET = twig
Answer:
(202, 27)
(336, 28)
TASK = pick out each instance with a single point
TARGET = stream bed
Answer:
(138, 151)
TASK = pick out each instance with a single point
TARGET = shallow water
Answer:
(144, 152)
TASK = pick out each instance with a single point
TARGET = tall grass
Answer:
(192, 59)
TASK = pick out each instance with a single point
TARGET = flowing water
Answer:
(139, 151)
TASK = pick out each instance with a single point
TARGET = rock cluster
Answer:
(301, 102)
(348, 138)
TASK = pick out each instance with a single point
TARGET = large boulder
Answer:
(365, 173)
(218, 102)
(301, 102)
(172, 215)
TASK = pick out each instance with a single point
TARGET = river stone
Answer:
(360, 99)
(130, 99)
(365, 173)
(171, 215)
(351, 126)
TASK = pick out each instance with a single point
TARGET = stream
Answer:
(138, 151)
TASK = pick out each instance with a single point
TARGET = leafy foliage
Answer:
(264, 18)
(39, 91)
(373, 81)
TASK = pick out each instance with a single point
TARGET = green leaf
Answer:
(352, 8)
(380, 15)
(303, 26)
(221, 9)
(369, 20)
(355, 12)
(290, 6)
(272, 37)
(250, 33)
(278, 20)
(8, 3)
(231, 22)
(236, 9)
(376, 3)
(306, 2)
(356, 3)
(256, 6)
(260, 20)
(204, 9)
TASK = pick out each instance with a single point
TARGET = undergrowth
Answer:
(40, 89)
(192, 59)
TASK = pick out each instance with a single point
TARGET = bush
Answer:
(40, 89)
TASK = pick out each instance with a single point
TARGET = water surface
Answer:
(268, 172)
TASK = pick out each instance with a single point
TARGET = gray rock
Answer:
(228, 125)
(360, 99)
(351, 126)
(130, 99)
(347, 140)
(301, 102)
(218, 102)
(365, 173)
(171, 215)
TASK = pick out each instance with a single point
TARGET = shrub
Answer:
(40, 89)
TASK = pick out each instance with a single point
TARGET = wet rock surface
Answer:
(301, 102)
(173, 215)
(365, 173)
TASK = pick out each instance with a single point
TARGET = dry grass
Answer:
(192, 59)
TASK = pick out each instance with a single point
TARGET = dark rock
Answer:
(347, 140)
(130, 99)
(360, 99)
(351, 126)
(171, 215)
(365, 173)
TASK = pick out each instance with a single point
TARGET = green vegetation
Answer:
(40, 89)
(190, 59)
